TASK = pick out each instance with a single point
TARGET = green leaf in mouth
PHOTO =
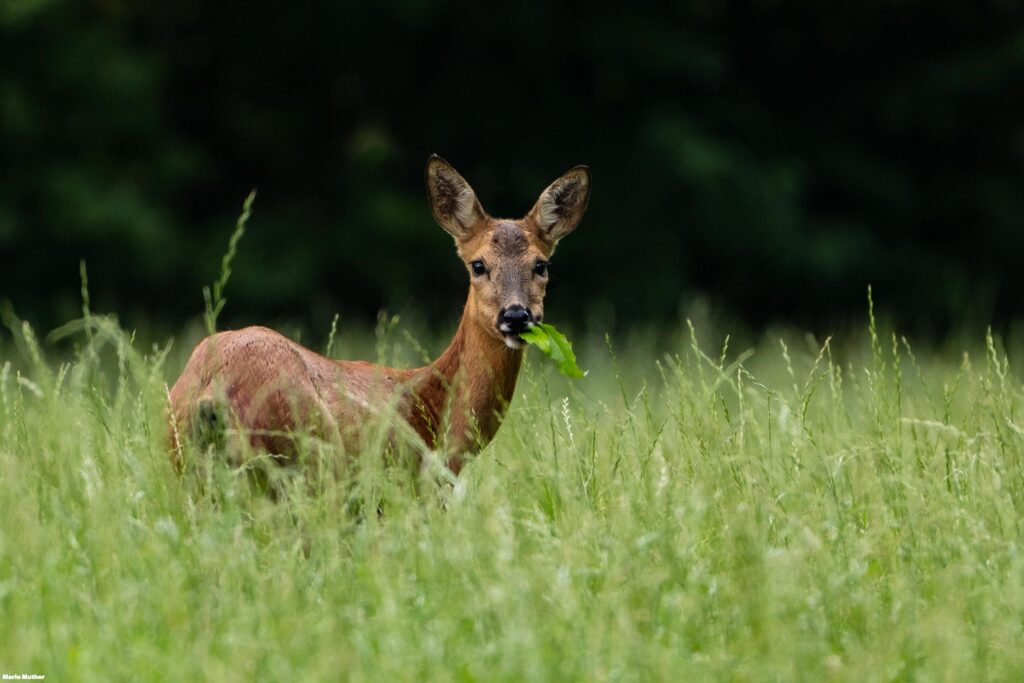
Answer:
(553, 344)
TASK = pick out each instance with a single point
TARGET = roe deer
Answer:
(265, 386)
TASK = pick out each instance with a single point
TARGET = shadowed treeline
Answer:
(774, 156)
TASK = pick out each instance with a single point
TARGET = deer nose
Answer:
(514, 319)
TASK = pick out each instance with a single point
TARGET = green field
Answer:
(811, 511)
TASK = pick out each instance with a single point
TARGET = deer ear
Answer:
(561, 206)
(452, 200)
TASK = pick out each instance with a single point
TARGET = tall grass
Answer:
(801, 513)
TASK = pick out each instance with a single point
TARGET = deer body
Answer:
(267, 387)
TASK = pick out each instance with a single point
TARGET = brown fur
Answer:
(272, 386)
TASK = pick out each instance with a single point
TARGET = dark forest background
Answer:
(772, 157)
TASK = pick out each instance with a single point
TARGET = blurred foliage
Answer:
(776, 156)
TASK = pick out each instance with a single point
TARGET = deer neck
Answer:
(460, 399)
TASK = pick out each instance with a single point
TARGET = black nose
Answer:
(514, 319)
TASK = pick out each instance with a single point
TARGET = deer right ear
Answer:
(561, 206)
(452, 200)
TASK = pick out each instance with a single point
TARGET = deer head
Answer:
(507, 260)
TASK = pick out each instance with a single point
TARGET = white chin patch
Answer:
(513, 344)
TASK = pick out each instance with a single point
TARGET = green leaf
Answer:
(553, 344)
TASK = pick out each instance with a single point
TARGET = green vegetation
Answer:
(553, 344)
(214, 297)
(807, 512)
(845, 509)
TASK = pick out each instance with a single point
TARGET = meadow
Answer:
(792, 509)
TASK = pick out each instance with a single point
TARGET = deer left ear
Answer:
(561, 206)
(452, 200)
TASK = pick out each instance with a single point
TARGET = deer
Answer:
(259, 384)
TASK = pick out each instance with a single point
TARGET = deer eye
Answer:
(541, 268)
(478, 267)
